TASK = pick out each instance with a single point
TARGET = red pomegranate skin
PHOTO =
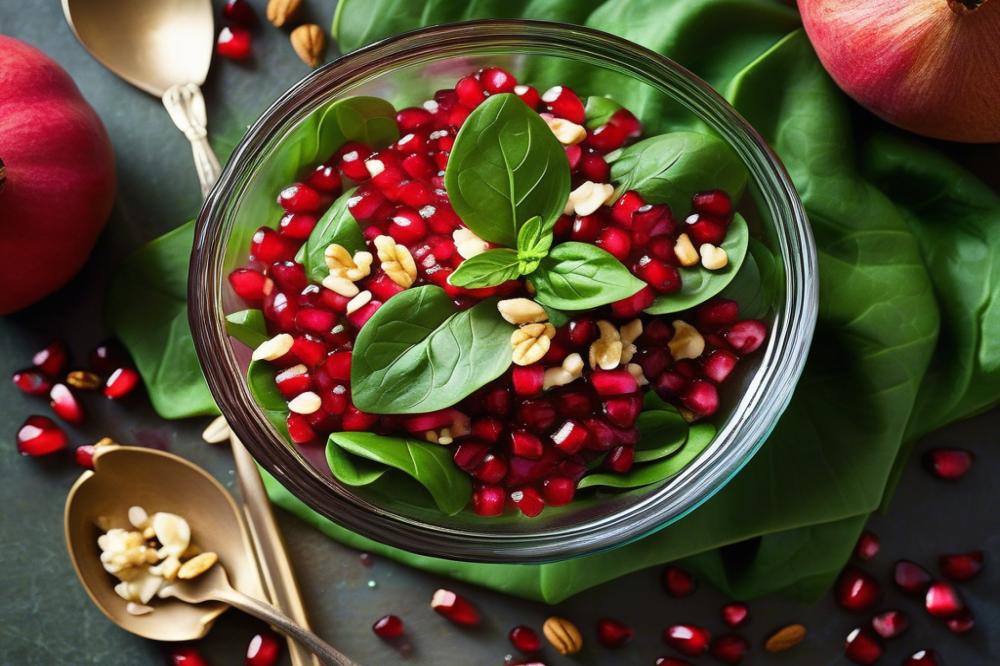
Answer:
(60, 176)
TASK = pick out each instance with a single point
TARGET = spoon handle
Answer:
(326, 652)
(186, 107)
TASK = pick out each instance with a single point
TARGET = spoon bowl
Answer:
(127, 476)
(152, 45)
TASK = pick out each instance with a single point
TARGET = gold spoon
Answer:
(163, 47)
(124, 476)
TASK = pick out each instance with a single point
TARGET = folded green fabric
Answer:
(909, 325)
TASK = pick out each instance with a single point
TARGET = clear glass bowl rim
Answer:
(755, 415)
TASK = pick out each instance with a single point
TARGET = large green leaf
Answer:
(247, 326)
(418, 353)
(581, 276)
(370, 120)
(428, 464)
(658, 470)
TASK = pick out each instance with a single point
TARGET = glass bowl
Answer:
(407, 70)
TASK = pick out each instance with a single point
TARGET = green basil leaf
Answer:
(671, 167)
(247, 326)
(370, 120)
(599, 111)
(486, 269)
(557, 318)
(699, 437)
(756, 283)
(662, 432)
(429, 464)
(260, 380)
(580, 276)
(505, 167)
(419, 353)
(699, 284)
(336, 226)
(534, 240)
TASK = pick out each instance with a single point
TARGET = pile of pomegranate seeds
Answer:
(524, 447)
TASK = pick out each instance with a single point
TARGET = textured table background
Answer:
(46, 619)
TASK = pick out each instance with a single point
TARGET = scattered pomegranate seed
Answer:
(688, 639)
(32, 381)
(923, 658)
(857, 590)
(677, 582)
(867, 547)
(562, 102)
(455, 607)
(671, 661)
(388, 626)
(84, 456)
(890, 624)
(910, 577)
(65, 405)
(612, 633)
(39, 436)
(735, 614)
(961, 623)
(746, 336)
(943, 600)
(239, 11)
(862, 647)
(525, 639)
(107, 356)
(528, 500)
(53, 359)
(233, 43)
(948, 464)
(961, 566)
(263, 650)
(730, 648)
(121, 382)
(187, 656)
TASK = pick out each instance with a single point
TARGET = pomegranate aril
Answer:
(719, 364)
(594, 168)
(388, 626)
(325, 178)
(250, 285)
(468, 455)
(570, 437)
(613, 382)
(649, 221)
(586, 229)
(616, 242)
(716, 313)
(527, 379)
(688, 639)
(627, 122)
(455, 607)
(678, 582)
(525, 639)
(581, 331)
(64, 403)
(670, 384)
(528, 501)
(622, 411)
(701, 397)
(961, 566)
(470, 93)
(529, 95)
(620, 459)
(735, 614)
(293, 381)
(948, 464)
(730, 648)
(630, 307)
(613, 633)
(491, 470)
(890, 624)
(538, 415)
(299, 198)
(53, 359)
(263, 650)
(746, 336)
(562, 102)
(671, 661)
(606, 138)
(32, 381)
(862, 647)
(356, 420)
(487, 429)
(488, 500)
(360, 317)
(713, 203)
(558, 490)
(943, 600)
(233, 43)
(366, 204)
(496, 80)
(420, 423)
(923, 658)
(39, 436)
(867, 547)
(413, 118)
(961, 623)
(269, 247)
(910, 577)
(526, 445)
(351, 160)
(84, 456)
(418, 166)
(107, 356)
(239, 11)
(411, 142)
(289, 276)
(299, 429)
(308, 350)
(415, 194)
(575, 404)
(624, 208)
(187, 655)
(703, 229)
(856, 590)
(297, 226)
(120, 383)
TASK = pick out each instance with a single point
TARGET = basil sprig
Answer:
(581, 276)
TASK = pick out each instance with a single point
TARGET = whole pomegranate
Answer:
(928, 66)
(57, 176)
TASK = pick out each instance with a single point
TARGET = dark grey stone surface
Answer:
(46, 620)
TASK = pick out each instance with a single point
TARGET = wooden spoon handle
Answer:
(326, 652)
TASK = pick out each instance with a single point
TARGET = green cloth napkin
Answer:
(909, 324)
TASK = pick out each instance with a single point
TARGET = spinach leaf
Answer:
(429, 464)
(370, 120)
(599, 111)
(351, 470)
(418, 353)
(661, 433)
(700, 284)
(506, 166)
(260, 380)
(336, 226)
(247, 326)
(486, 269)
(671, 167)
(756, 285)
(699, 437)
(580, 276)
